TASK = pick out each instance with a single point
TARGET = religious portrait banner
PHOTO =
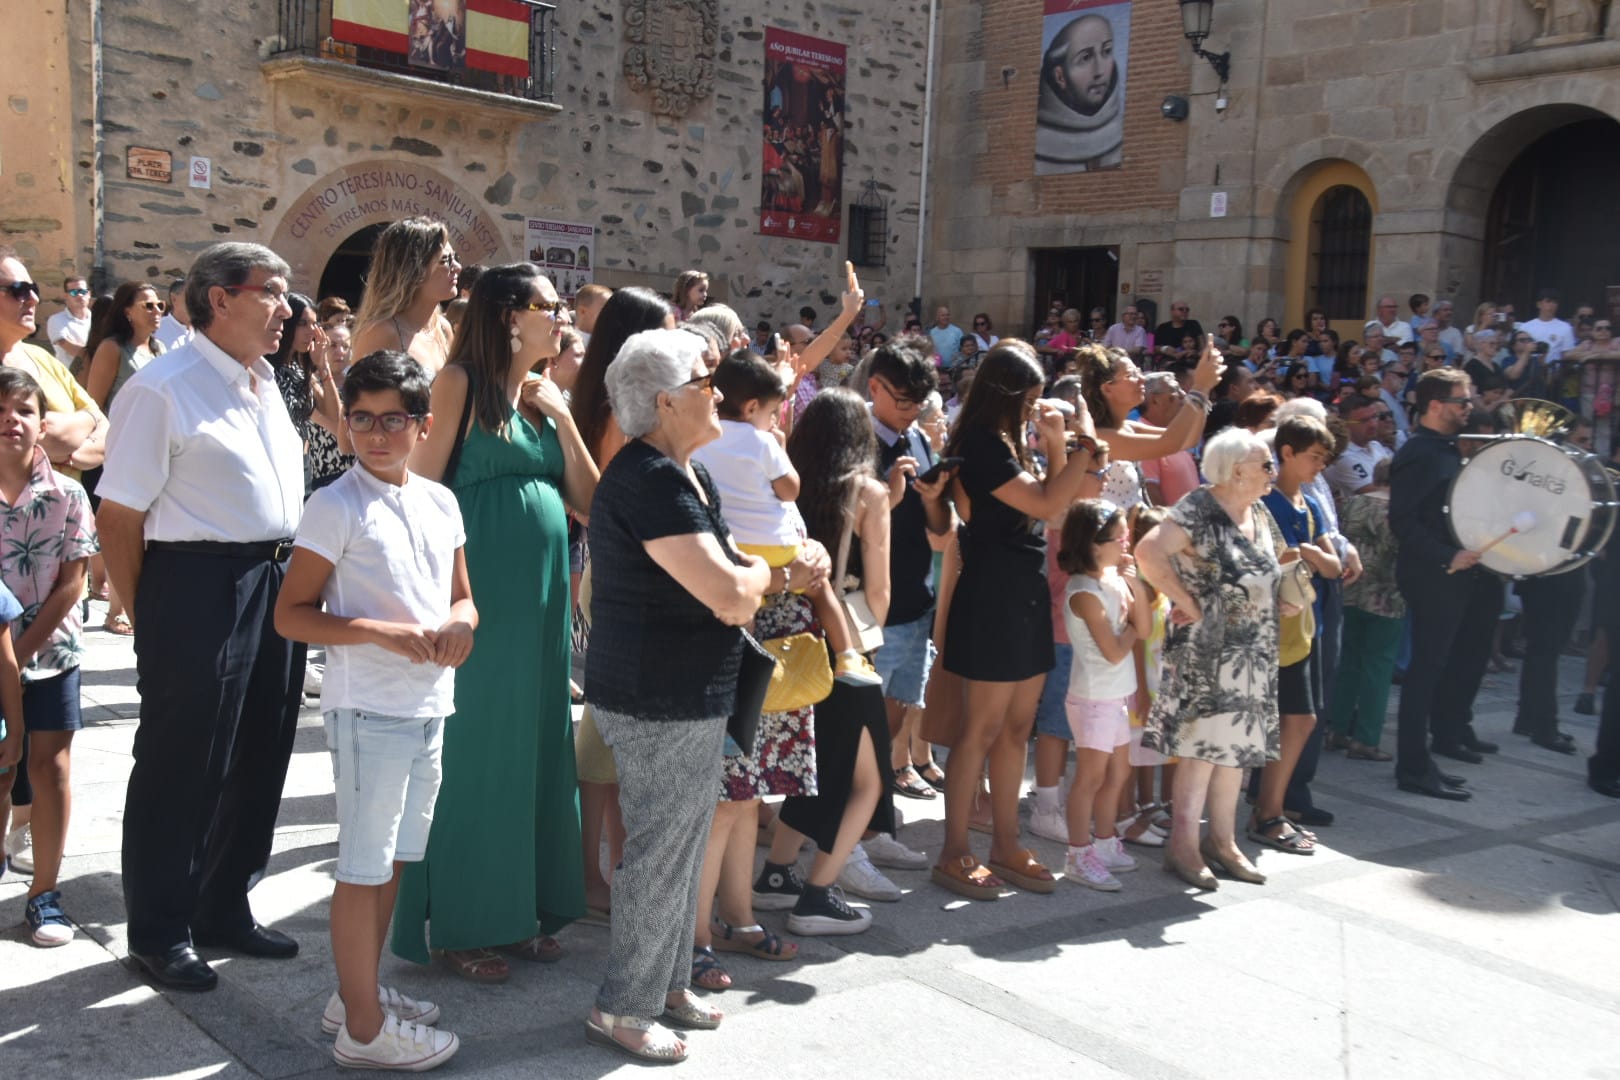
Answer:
(802, 186)
(1080, 119)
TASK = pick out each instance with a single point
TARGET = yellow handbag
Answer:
(803, 675)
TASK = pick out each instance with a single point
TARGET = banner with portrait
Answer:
(1080, 118)
(565, 250)
(802, 185)
(438, 33)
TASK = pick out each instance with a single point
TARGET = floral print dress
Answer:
(784, 758)
(1217, 697)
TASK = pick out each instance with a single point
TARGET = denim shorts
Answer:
(1050, 716)
(53, 704)
(905, 658)
(387, 771)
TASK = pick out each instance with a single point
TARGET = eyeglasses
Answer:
(78, 292)
(704, 382)
(276, 293)
(19, 290)
(1182, 310)
(549, 307)
(1267, 466)
(900, 402)
(154, 305)
(449, 260)
(361, 423)
(1378, 417)
(1455, 401)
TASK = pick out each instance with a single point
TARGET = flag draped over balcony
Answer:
(497, 30)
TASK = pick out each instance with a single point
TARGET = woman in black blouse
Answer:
(998, 638)
(672, 590)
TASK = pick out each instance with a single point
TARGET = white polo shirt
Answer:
(64, 327)
(393, 552)
(1353, 470)
(205, 448)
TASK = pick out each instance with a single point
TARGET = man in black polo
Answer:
(1454, 603)
(201, 495)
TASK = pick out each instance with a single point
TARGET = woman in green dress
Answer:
(503, 868)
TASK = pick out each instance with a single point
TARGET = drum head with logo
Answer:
(1538, 507)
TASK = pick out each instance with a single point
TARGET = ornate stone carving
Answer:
(670, 50)
(1563, 22)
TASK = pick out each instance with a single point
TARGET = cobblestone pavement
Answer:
(1426, 939)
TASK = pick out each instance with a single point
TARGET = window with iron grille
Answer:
(1341, 243)
(869, 228)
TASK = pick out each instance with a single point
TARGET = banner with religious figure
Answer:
(1080, 119)
(802, 186)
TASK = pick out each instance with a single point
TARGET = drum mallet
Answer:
(1523, 521)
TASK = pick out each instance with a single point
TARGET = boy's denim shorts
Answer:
(1050, 716)
(387, 771)
(905, 659)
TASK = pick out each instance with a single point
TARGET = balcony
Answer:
(499, 54)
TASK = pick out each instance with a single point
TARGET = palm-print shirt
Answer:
(50, 524)
(1366, 524)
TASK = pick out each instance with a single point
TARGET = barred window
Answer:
(1341, 243)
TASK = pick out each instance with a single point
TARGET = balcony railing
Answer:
(480, 49)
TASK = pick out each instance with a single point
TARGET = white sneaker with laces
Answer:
(400, 1045)
(20, 849)
(1111, 853)
(1053, 824)
(861, 878)
(314, 677)
(392, 1001)
(885, 850)
(1082, 867)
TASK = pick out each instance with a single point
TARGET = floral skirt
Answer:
(784, 758)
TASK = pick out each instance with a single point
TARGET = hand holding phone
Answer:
(940, 468)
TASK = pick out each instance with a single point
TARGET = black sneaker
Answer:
(778, 888)
(823, 912)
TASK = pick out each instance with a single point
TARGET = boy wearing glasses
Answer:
(69, 328)
(382, 550)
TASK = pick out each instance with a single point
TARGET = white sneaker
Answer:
(1112, 854)
(400, 1045)
(314, 676)
(1051, 824)
(885, 850)
(20, 849)
(1082, 867)
(860, 877)
(392, 1001)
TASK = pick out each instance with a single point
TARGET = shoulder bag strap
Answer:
(842, 561)
(461, 435)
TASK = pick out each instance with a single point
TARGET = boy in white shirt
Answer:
(757, 483)
(382, 548)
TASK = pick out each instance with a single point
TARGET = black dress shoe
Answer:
(1522, 727)
(256, 940)
(180, 968)
(1556, 741)
(1457, 752)
(1609, 787)
(1433, 786)
(1453, 780)
(1477, 744)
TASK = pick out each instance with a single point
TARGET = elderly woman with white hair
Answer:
(733, 334)
(671, 592)
(1217, 706)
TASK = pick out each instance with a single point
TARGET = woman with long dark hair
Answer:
(625, 313)
(310, 389)
(504, 845)
(999, 629)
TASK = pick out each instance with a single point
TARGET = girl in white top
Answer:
(1106, 612)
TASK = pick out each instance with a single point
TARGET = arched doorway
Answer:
(1330, 254)
(1551, 220)
(345, 272)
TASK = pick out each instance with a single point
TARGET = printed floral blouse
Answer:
(49, 525)
(1365, 522)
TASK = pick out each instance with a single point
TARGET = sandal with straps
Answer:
(540, 949)
(1290, 839)
(768, 947)
(707, 973)
(692, 1013)
(908, 783)
(1026, 872)
(477, 965)
(663, 1046)
(968, 877)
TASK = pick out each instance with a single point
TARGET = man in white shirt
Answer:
(1128, 334)
(1450, 336)
(1395, 330)
(1392, 392)
(1548, 328)
(201, 495)
(69, 328)
(175, 328)
(1369, 422)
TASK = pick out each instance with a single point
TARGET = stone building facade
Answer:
(309, 149)
(1476, 132)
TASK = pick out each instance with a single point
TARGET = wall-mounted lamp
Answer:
(1196, 16)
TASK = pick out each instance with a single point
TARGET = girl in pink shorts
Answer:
(1106, 611)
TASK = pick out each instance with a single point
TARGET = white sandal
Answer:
(693, 1013)
(1148, 837)
(662, 1048)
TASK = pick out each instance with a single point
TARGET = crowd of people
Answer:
(798, 562)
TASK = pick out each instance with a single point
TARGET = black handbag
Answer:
(753, 682)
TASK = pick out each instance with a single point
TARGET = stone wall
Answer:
(1431, 98)
(665, 193)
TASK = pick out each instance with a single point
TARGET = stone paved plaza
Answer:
(1427, 939)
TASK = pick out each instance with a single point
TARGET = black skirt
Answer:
(840, 719)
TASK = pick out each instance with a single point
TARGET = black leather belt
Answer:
(274, 550)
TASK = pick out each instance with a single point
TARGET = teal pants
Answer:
(1366, 665)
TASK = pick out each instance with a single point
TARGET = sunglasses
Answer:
(19, 290)
(1267, 466)
(449, 260)
(154, 305)
(362, 423)
(549, 307)
(704, 382)
(1455, 401)
(78, 292)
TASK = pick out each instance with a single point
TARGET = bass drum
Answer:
(1539, 507)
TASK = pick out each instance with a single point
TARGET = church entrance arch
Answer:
(322, 224)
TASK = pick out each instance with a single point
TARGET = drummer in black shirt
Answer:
(1454, 603)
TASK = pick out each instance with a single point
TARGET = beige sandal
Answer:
(663, 1046)
(539, 949)
(476, 965)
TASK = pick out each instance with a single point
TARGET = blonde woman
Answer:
(413, 271)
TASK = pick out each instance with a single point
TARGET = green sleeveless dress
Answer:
(504, 850)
